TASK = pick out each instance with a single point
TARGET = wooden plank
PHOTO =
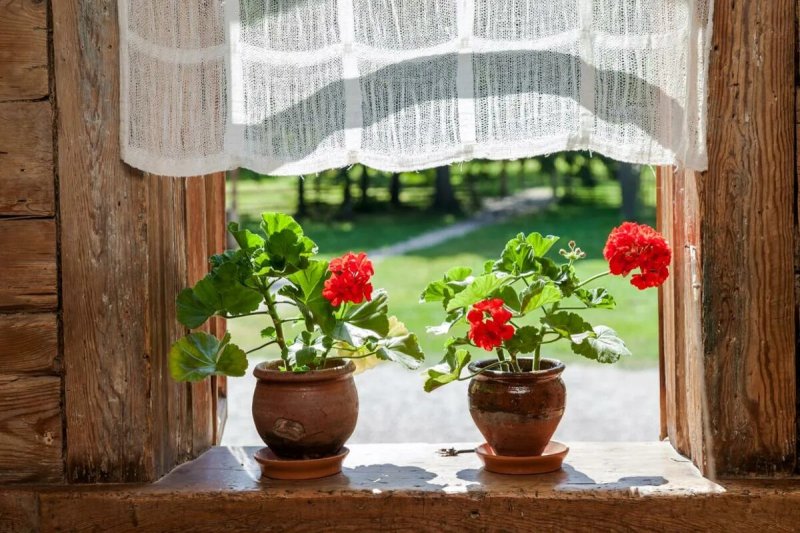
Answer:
(28, 256)
(661, 225)
(216, 222)
(26, 158)
(29, 343)
(19, 511)
(797, 269)
(746, 201)
(172, 414)
(23, 50)
(197, 250)
(623, 487)
(104, 256)
(30, 429)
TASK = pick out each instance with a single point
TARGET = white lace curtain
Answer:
(288, 87)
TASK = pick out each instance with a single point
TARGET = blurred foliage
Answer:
(345, 194)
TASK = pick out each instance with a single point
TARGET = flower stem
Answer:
(502, 359)
(482, 370)
(262, 346)
(537, 357)
(269, 300)
(596, 276)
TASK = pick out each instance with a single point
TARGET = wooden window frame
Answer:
(126, 242)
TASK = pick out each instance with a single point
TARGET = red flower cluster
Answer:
(638, 245)
(489, 332)
(349, 281)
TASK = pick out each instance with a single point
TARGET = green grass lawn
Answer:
(404, 277)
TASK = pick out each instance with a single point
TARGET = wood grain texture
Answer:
(28, 255)
(197, 253)
(109, 386)
(19, 511)
(412, 513)
(746, 200)
(28, 343)
(30, 429)
(172, 402)
(216, 232)
(26, 158)
(23, 50)
(604, 487)
(125, 251)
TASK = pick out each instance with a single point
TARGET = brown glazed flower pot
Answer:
(517, 412)
(305, 415)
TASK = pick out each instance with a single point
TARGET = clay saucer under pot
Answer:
(275, 467)
(550, 460)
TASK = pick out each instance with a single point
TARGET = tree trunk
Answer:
(630, 180)
(346, 209)
(394, 190)
(363, 200)
(444, 198)
(503, 178)
(301, 197)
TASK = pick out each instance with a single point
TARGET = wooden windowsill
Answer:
(610, 470)
(408, 487)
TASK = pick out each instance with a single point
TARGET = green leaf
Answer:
(199, 355)
(192, 311)
(284, 248)
(287, 249)
(305, 356)
(518, 257)
(541, 245)
(447, 371)
(566, 324)
(509, 296)
(372, 315)
(445, 327)
(480, 289)
(247, 240)
(604, 346)
(598, 298)
(436, 291)
(458, 273)
(538, 294)
(525, 340)
(403, 349)
(276, 222)
(268, 333)
(308, 284)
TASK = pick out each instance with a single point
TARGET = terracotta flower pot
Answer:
(518, 413)
(305, 415)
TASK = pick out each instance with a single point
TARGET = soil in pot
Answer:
(518, 412)
(305, 415)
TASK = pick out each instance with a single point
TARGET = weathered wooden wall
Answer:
(31, 419)
(729, 339)
(129, 243)
(93, 254)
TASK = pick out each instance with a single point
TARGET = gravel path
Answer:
(494, 210)
(604, 403)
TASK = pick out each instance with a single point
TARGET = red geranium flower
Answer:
(489, 332)
(639, 246)
(349, 281)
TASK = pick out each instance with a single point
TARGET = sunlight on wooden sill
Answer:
(611, 469)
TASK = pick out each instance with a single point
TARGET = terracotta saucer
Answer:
(549, 461)
(274, 467)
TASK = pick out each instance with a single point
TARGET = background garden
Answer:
(360, 209)
(577, 196)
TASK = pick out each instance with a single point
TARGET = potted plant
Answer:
(515, 308)
(321, 316)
